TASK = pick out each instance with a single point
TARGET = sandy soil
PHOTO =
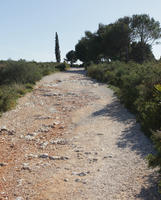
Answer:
(70, 139)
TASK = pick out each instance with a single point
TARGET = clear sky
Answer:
(27, 27)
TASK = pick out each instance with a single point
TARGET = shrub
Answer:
(20, 72)
(155, 160)
(62, 67)
(139, 88)
(8, 98)
(18, 77)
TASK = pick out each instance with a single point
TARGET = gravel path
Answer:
(70, 139)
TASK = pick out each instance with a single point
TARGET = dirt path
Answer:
(70, 139)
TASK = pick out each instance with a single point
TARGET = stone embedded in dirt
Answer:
(12, 145)
(64, 158)
(58, 158)
(2, 193)
(53, 110)
(87, 153)
(48, 125)
(77, 180)
(43, 117)
(77, 151)
(43, 145)
(59, 141)
(100, 134)
(2, 164)
(32, 134)
(4, 130)
(66, 168)
(91, 160)
(26, 167)
(29, 137)
(30, 156)
(61, 127)
(20, 182)
(65, 180)
(44, 155)
(44, 129)
(19, 198)
(56, 123)
(82, 174)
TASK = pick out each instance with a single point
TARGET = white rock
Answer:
(58, 158)
(31, 156)
(19, 198)
(43, 145)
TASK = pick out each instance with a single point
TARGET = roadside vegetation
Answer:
(19, 77)
(138, 87)
(120, 54)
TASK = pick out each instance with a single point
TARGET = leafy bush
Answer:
(155, 160)
(18, 77)
(20, 72)
(8, 98)
(62, 66)
(139, 88)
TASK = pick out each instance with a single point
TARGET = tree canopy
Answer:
(57, 49)
(119, 40)
(71, 57)
(145, 29)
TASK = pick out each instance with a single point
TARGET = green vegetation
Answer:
(19, 77)
(137, 86)
(57, 49)
(129, 38)
(71, 57)
(136, 83)
(120, 54)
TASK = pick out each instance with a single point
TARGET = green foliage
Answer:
(141, 52)
(19, 77)
(71, 57)
(129, 38)
(8, 98)
(145, 29)
(20, 72)
(57, 49)
(155, 160)
(138, 86)
(62, 66)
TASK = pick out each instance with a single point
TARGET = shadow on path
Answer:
(116, 111)
(150, 192)
(76, 71)
(133, 138)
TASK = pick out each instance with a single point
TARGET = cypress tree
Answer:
(57, 50)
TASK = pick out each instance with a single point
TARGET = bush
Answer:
(139, 88)
(136, 85)
(18, 77)
(8, 98)
(62, 66)
(155, 160)
(20, 72)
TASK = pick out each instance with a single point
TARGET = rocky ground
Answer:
(70, 139)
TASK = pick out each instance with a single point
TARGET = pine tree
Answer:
(57, 50)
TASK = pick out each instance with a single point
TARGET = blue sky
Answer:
(27, 27)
